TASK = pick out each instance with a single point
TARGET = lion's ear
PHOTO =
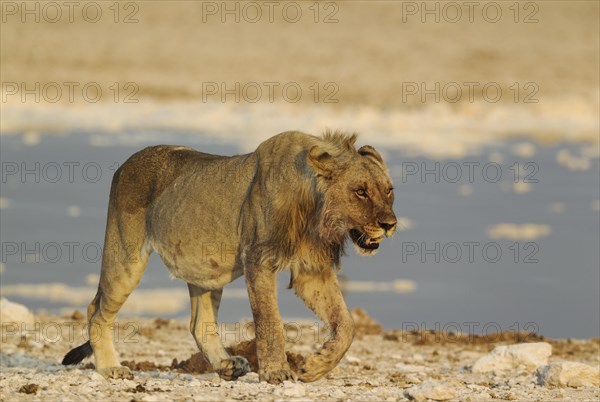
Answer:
(367, 150)
(321, 161)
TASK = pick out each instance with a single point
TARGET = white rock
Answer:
(291, 390)
(352, 359)
(568, 374)
(95, 376)
(431, 390)
(16, 313)
(524, 356)
(212, 377)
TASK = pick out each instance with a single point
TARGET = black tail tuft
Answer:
(78, 354)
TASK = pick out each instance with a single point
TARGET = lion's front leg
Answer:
(270, 344)
(321, 293)
(203, 325)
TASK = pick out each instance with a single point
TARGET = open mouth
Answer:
(363, 241)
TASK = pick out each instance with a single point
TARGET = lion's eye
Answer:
(390, 191)
(361, 193)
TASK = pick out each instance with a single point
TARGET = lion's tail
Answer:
(78, 354)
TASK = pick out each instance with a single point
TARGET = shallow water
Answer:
(550, 285)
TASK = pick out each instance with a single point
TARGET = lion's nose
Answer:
(388, 224)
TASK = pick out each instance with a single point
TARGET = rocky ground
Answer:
(386, 365)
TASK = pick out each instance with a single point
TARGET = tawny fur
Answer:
(292, 203)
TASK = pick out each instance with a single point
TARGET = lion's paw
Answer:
(116, 373)
(313, 368)
(277, 376)
(233, 368)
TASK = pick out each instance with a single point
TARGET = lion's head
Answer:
(359, 194)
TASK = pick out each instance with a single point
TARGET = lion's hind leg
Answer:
(321, 293)
(124, 260)
(204, 328)
(115, 286)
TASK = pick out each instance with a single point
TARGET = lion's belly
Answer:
(208, 265)
(198, 248)
(194, 228)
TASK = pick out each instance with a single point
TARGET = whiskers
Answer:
(363, 238)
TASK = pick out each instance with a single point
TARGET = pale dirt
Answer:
(380, 365)
(372, 49)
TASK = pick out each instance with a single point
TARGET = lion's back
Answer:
(149, 172)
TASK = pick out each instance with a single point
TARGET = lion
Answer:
(291, 204)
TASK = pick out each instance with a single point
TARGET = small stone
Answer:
(94, 375)
(352, 359)
(431, 390)
(291, 390)
(568, 374)
(524, 356)
(29, 389)
(413, 379)
(212, 377)
(77, 316)
(15, 315)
